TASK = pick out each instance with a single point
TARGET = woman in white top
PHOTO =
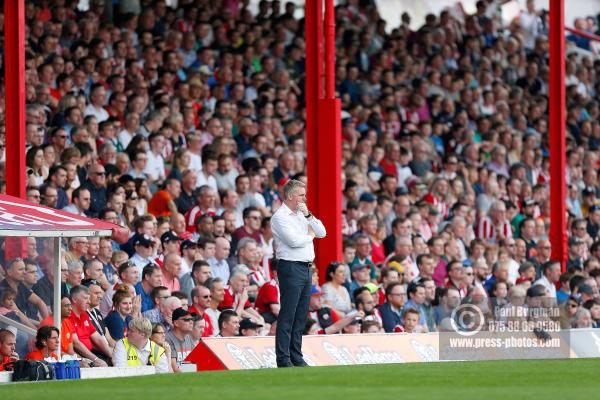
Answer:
(36, 164)
(144, 195)
(335, 294)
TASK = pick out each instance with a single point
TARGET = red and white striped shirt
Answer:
(192, 215)
(486, 230)
(231, 300)
(258, 276)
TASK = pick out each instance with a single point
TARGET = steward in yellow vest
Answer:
(137, 349)
(133, 360)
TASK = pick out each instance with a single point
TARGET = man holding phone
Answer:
(294, 228)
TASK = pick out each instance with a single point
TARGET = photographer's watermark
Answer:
(467, 319)
(492, 330)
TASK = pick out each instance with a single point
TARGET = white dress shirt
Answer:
(119, 357)
(72, 208)
(207, 180)
(140, 262)
(548, 285)
(219, 269)
(290, 234)
(100, 113)
(155, 167)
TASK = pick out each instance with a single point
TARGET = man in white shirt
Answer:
(209, 166)
(97, 100)
(551, 271)
(294, 229)
(132, 124)
(194, 145)
(142, 245)
(226, 173)
(155, 166)
(531, 24)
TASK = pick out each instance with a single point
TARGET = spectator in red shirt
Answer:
(87, 342)
(46, 343)
(8, 344)
(391, 160)
(66, 328)
(267, 300)
(163, 201)
(201, 302)
(236, 295)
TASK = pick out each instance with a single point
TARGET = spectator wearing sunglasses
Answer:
(96, 184)
(179, 338)
(201, 302)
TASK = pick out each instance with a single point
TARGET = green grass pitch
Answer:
(505, 380)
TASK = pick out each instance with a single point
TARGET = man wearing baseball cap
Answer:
(169, 245)
(179, 338)
(188, 249)
(143, 246)
(249, 327)
(360, 277)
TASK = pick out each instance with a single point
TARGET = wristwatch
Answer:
(309, 216)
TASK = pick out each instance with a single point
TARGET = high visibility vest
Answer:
(156, 352)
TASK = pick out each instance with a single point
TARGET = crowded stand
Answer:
(184, 125)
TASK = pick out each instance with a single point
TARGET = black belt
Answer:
(305, 263)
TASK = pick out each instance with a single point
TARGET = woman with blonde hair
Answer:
(137, 349)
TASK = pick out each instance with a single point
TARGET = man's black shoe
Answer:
(285, 365)
(301, 364)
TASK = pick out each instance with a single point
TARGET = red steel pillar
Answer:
(557, 126)
(14, 78)
(323, 132)
(312, 20)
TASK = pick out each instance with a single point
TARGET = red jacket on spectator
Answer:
(231, 300)
(209, 330)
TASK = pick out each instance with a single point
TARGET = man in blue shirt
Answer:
(416, 299)
(151, 278)
(391, 310)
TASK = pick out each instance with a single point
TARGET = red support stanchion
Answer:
(312, 93)
(557, 126)
(323, 132)
(329, 153)
(329, 50)
(14, 79)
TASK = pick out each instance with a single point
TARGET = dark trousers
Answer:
(294, 288)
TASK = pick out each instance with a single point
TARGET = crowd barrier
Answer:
(237, 353)
(100, 372)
